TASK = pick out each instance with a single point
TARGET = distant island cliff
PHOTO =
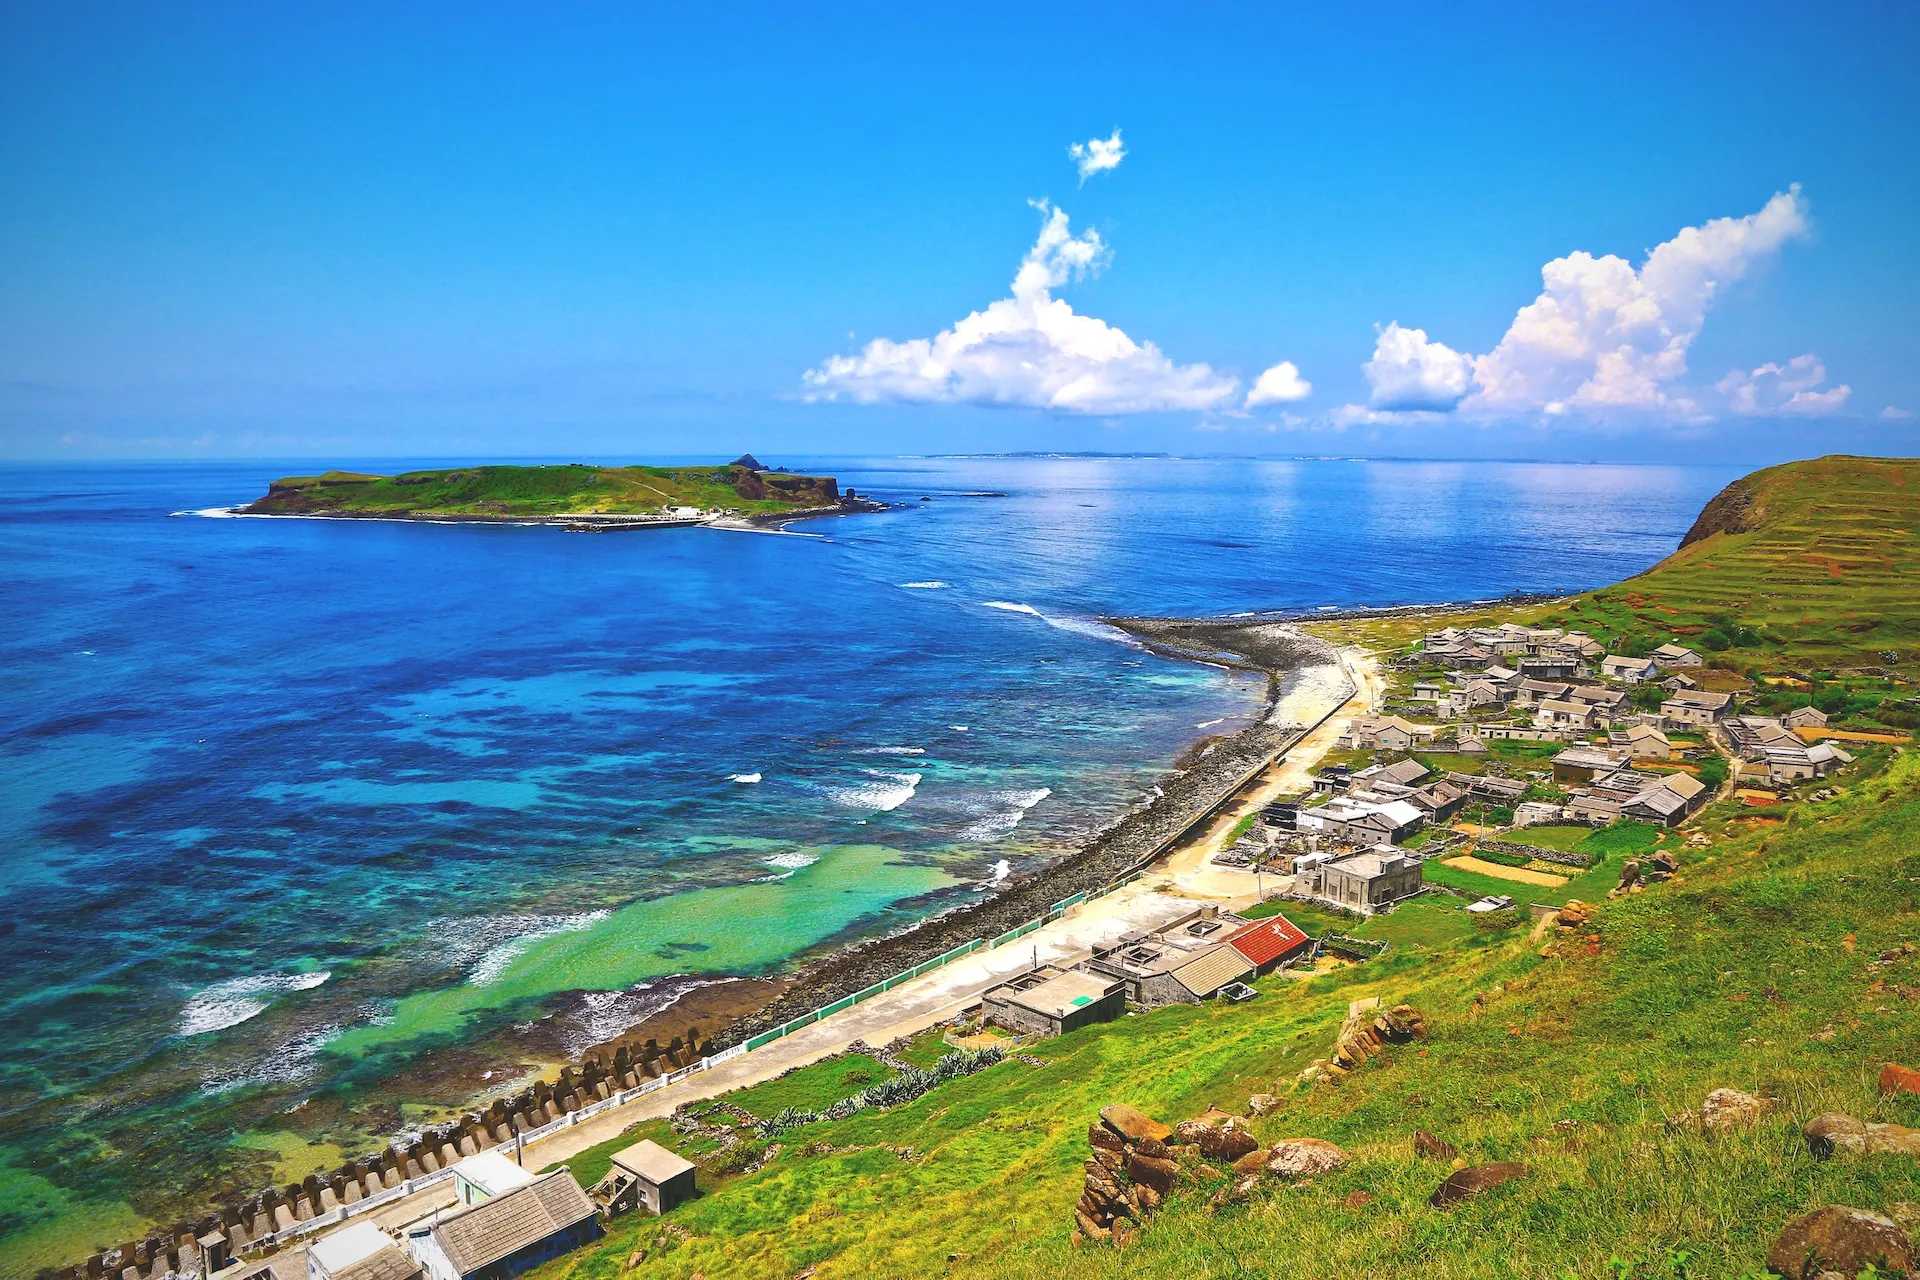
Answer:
(577, 495)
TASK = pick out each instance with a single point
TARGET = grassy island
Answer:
(549, 492)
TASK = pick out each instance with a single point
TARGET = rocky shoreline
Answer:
(1284, 654)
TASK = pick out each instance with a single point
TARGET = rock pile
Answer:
(1637, 873)
(1136, 1160)
(1129, 1173)
(1365, 1033)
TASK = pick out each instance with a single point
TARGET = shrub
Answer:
(1494, 921)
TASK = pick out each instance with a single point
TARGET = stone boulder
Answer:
(1132, 1125)
(1302, 1159)
(1833, 1132)
(1263, 1104)
(1464, 1184)
(1839, 1239)
(1429, 1147)
(1895, 1078)
(1226, 1141)
(1724, 1110)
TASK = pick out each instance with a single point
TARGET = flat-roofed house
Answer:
(1583, 764)
(1628, 670)
(506, 1234)
(1675, 655)
(1366, 881)
(647, 1176)
(1051, 1001)
(1696, 708)
(486, 1174)
(1669, 802)
(359, 1252)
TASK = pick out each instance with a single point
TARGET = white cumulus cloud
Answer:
(1097, 155)
(1792, 389)
(1281, 384)
(1602, 338)
(1031, 350)
(1894, 413)
(1409, 372)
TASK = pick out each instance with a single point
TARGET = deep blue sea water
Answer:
(283, 800)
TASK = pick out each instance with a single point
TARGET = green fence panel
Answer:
(765, 1037)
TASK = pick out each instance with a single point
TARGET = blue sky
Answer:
(487, 230)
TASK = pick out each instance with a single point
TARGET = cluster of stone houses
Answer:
(1769, 749)
(1208, 952)
(1551, 684)
(1603, 785)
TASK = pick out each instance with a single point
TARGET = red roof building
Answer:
(1269, 942)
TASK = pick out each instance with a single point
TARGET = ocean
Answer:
(286, 806)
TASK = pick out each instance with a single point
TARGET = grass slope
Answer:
(1749, 970)
(573, 489)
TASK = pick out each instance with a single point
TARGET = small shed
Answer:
(506, 1234)
(487, 1174)
(661, 1181)
(359, 1252)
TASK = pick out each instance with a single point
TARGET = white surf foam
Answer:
(1208, 724)
(959, 728)
(743, 777)
(1004, 809)
(891, 751)
(1079, 626)
(521, 932)
(290, 1063)
(791, 861)
(1001, 870)
(886, 793)
(931, 585)
(233, 1001)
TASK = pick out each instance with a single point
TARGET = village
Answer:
(1474, 760)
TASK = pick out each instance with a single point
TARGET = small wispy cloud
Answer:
(1097, 155)
(1792, 389)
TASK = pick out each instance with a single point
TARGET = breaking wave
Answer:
(743, 777)
(1003, 811)
(486, 945)
(791, 861)
(891, 751)
(887, 791)
(932, 585)
(233, 1001)
(1079, 626)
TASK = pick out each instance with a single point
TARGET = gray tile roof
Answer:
(504, 1224)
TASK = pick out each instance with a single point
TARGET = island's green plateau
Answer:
(575, 489)
(1772, 963)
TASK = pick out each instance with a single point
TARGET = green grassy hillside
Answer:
(1819, 561)
(1755, 969)
(574, 489)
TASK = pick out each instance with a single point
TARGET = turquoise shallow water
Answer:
(285, 801)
